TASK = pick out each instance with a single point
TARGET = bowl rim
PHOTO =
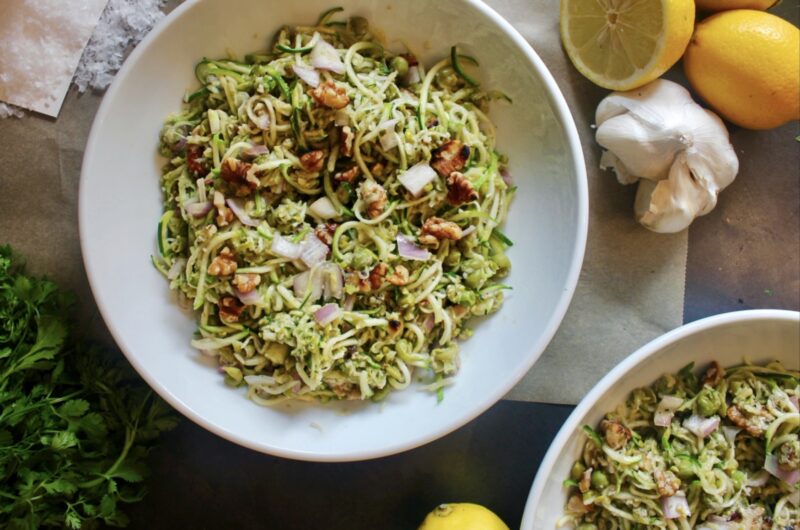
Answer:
(570, 425)
(562, 116)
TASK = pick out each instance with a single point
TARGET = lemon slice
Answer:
(624, 44)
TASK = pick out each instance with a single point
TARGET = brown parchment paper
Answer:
(631, 289)
(632, 284)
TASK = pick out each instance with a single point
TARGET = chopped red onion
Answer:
(407, 249)
(506, 177)
(417, 177)
(388, 124)
(349, 302)
(429, 322)
(301, 285)
(663, 418)
(307, 74)
(327, 314)
(730, 433)
(323, 208)
(759, 479)
(255, 150)
(794, 498)
(412, 77)
(675, 506)
(332, 280)
(238, 210)
(249, 298)
(285, 248)
(260, 120)
(666, 410)
(700, 426)
(796, 402)
(325, 57)
(314, 251)
(198, 209)
(388, 141)
(175, 270)
(789, 476)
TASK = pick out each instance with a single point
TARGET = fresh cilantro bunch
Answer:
(75, 427)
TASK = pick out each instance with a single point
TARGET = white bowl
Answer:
(758, 336)
(120, 204)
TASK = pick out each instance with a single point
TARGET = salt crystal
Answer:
(42, 42)
(123, 24)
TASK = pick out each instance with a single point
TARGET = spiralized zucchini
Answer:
(716, 452)
(324, 139)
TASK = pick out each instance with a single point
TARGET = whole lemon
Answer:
(746, 65)
(725, 5)
(462, 516)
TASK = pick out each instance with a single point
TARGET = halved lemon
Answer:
(624, 44)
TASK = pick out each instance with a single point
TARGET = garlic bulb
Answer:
(679, 150)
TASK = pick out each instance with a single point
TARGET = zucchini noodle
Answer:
(715, 452)
(313, 142)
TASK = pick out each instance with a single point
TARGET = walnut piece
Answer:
(376, 276)
(436, 229)
(245, 283)
(374, 196)
(616, 434)
(361, 283)
(230, 309)
(575, 505)
(224, 214)
(324, 232)
(399, 276)
(714, 374)
(223, 264)
(585, 483)
(348, 176)
(346, 141)
(313, 161)
(740, 420)
(395, 327)
(377, 169)
(330, 95)
(667, 484)
(235, 171)
(459, 189)
(450, 156)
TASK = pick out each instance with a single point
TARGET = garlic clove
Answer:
(670, 205)
(642, 150)
(678, 151)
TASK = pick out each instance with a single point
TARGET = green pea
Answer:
(467, 298)
(599, 480)
(475, 279)
(362, 258)
(577, 470)
(708, 402)
(399, 65)
(683, 467)
(738, 478)
(453, 258)
(502, 260)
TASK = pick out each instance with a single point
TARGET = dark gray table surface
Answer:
(745, 254)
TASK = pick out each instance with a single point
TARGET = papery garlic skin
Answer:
(679, 150)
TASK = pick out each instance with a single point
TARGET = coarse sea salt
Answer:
(42, 42)
(123, 24)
